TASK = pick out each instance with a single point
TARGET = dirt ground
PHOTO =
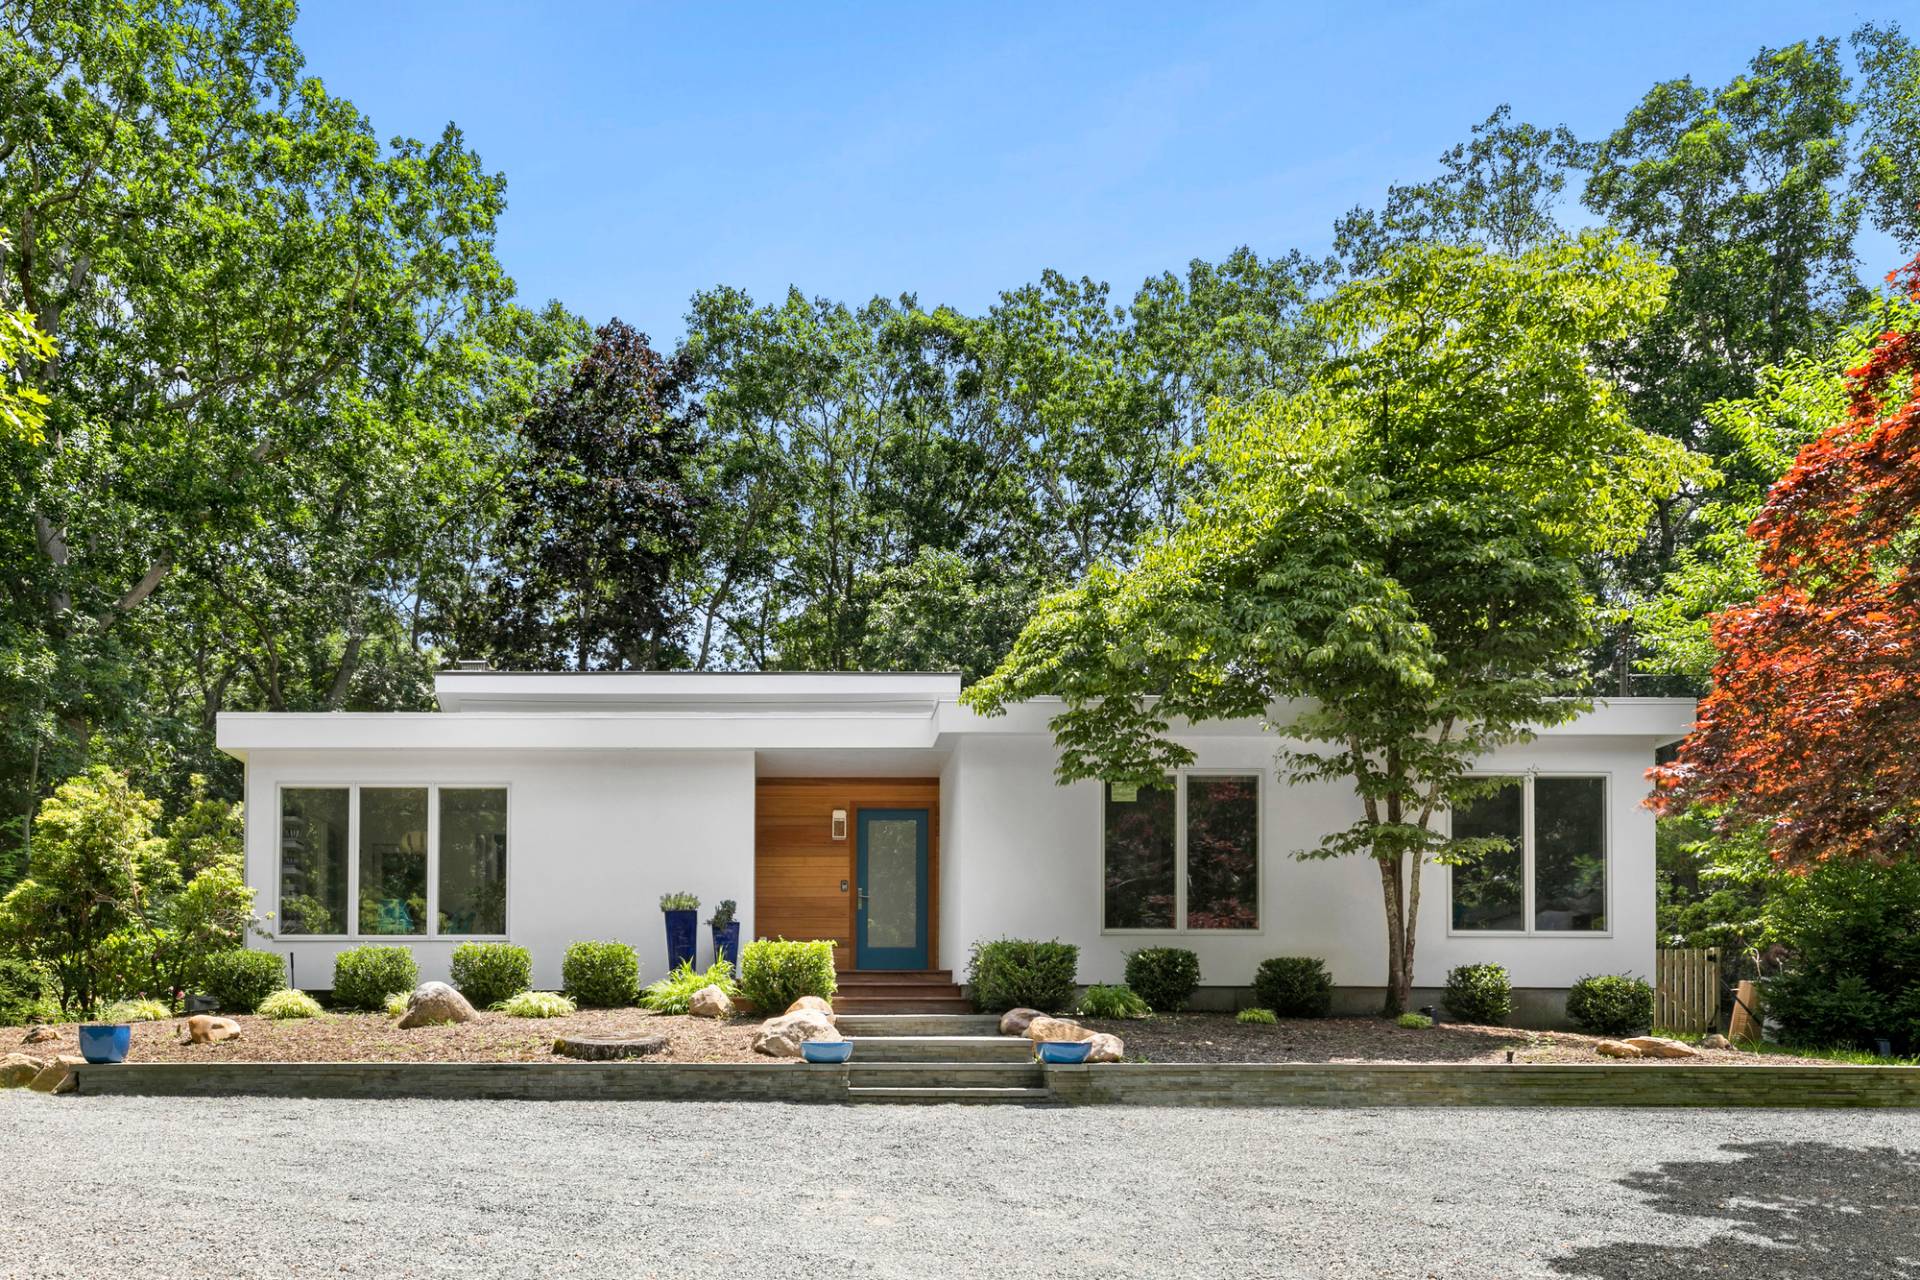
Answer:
(1180, 1037)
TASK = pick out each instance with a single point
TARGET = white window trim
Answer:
(1181, 929)
(353, 789)
(1527, 779)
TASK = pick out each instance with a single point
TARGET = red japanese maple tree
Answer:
(1813, 725)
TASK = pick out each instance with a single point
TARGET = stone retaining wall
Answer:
(540, 1081)
(1483, 1085)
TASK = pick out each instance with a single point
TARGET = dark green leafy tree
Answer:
(602, 519)
(1889, 103)
(1388, 566)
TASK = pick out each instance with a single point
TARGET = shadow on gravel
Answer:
(1793, 1211)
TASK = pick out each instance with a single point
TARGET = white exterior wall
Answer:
(593, 840)
(1028, 853)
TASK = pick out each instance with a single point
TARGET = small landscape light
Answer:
(1509, 1056)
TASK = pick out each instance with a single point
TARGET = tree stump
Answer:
(608, 1050)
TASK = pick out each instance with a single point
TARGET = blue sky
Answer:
(953, 152)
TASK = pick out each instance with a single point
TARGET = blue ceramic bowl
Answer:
(105, 1042)
(1062, 1052)
(826, 1050)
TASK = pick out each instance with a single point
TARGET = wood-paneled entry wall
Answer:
(798, 865)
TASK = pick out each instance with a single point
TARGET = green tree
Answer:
(1388, 567)
(1889, 101)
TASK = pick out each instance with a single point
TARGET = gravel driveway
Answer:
(150, 1187)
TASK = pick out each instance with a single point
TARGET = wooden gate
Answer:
(1686, 989)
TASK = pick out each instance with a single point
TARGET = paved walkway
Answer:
(151, 1187)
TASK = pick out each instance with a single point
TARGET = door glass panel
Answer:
(893, 882)
(1139, 857)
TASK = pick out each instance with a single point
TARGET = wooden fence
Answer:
(1686, 989)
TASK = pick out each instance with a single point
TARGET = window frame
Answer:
(1181, 928)
(353, 789)
(1527, 839)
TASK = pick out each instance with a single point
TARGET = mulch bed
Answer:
(1216, 1037)
(372, 1037)
(1171, 1038)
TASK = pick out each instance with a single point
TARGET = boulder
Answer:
(1014, 1022)
(813, 1004)
(782, 1037)
(57, 1076)
(1107, 1048)
(1661, 1047)
(40, 1034)
(1045, 1028)
(1716, 1041)
(204, 1029)
(608, 1050)
(18, 1070)
(710, 1002)
(1615, 1049)
(433, 1003)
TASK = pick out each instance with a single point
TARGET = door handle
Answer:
(863, 899)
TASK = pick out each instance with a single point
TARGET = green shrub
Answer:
(671, 993)
(1113, 1002)
(1610, 1004)
(238, 980)
(26, 993)
(774, 973)
(140, 1010)
(363, 977)
(1294, 986)
(1016, 973)
(601, 975)
(536, 1004)
(1165, 977)
(488, 972)
(679, 902)
(1413, 1021)
(283, 1006)
(1261, 1017)
(1852, 927)
(397, 1003)
(1479, 993)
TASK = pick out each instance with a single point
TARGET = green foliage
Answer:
(1611, 1005)
(1852, 931)
(1413, 1021)
(722, 914)
(1016, 973)
(287, 1005)
(363, 977)
(143, 1010)
(488, 972)
(1256, 1017)
(774, 973)
(1113, 1002)
(1479, 993)
(1294, 986)
(671, 993)
(537, 1004)
(23, 408)
(239, 979)
(1165, 977)
(679, 902)
(397, 1003)
(25, 992)
(601, 975)
(1412, 580)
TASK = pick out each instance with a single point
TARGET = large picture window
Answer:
(393, 862)
(1183, 857)
(1552, 877)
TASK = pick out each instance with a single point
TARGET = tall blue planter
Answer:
(683, 935)
(726, 944)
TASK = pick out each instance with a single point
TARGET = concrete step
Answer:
(914, 1048)
(853, 1023)
(943, 1075)
(854, 977)
(1028, 1097)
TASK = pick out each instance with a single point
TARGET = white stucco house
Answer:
(877, 811)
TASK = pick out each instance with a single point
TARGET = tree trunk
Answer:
(1398, 982)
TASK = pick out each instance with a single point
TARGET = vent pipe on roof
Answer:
(473, 664)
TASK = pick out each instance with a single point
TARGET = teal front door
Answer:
(890, 926)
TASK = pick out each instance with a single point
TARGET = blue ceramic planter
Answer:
(103, 1042)
(826, 1050)
(1062, 1052)
(726, 944)
(683, 934)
